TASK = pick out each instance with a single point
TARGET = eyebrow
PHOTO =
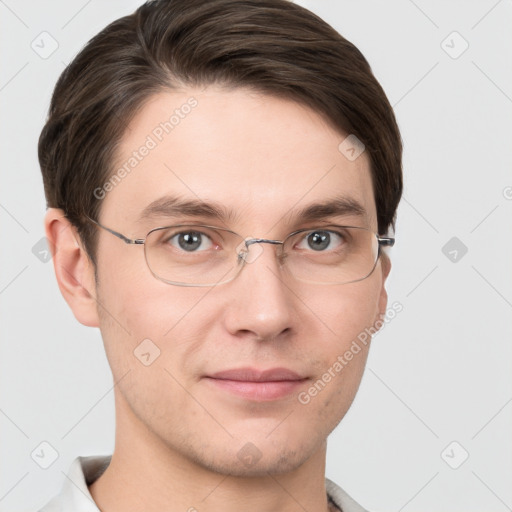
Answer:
(173, 206)
(337, 207)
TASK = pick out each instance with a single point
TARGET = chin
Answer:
(243, 458)
(273, 464)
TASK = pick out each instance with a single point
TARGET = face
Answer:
(265, 159)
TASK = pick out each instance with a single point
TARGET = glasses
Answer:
(202, 255)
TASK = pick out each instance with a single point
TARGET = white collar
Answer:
(75, 495)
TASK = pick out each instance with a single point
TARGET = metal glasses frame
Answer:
(382, 241)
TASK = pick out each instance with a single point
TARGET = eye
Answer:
(190, 241)
(321, 240)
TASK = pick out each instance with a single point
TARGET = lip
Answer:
(254, 375)
(257, 385)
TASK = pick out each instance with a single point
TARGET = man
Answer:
(221, 178)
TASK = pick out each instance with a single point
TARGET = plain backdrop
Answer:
(431, 426)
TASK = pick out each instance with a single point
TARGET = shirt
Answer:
(74, 495)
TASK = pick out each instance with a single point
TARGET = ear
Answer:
(385, 264)
(73, 268)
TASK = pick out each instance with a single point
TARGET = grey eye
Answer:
(319, 240)
(190, 241)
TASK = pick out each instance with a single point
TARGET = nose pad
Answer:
(247, 255)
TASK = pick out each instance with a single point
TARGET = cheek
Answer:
(137, 307)
(139, 303)
(345, 311)
(148, 334)
(341, 317)
(126, 303)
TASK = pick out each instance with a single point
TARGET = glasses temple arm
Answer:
(386, 241)
(137, 241)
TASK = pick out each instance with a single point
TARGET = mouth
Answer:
(257, 385)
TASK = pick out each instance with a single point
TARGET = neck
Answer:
(146, 473)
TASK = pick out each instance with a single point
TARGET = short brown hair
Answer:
(272, 46)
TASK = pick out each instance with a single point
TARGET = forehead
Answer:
(259, 157)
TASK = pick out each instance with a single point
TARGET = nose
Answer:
(261, 305)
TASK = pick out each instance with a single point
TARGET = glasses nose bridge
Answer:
(246, 254)
(251, 241)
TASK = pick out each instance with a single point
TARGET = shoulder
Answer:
(74, 494)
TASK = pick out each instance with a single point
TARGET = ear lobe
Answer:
(385, 264)
(73, 268)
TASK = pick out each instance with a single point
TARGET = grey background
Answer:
(439, 372)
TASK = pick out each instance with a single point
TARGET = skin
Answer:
(177, 436)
